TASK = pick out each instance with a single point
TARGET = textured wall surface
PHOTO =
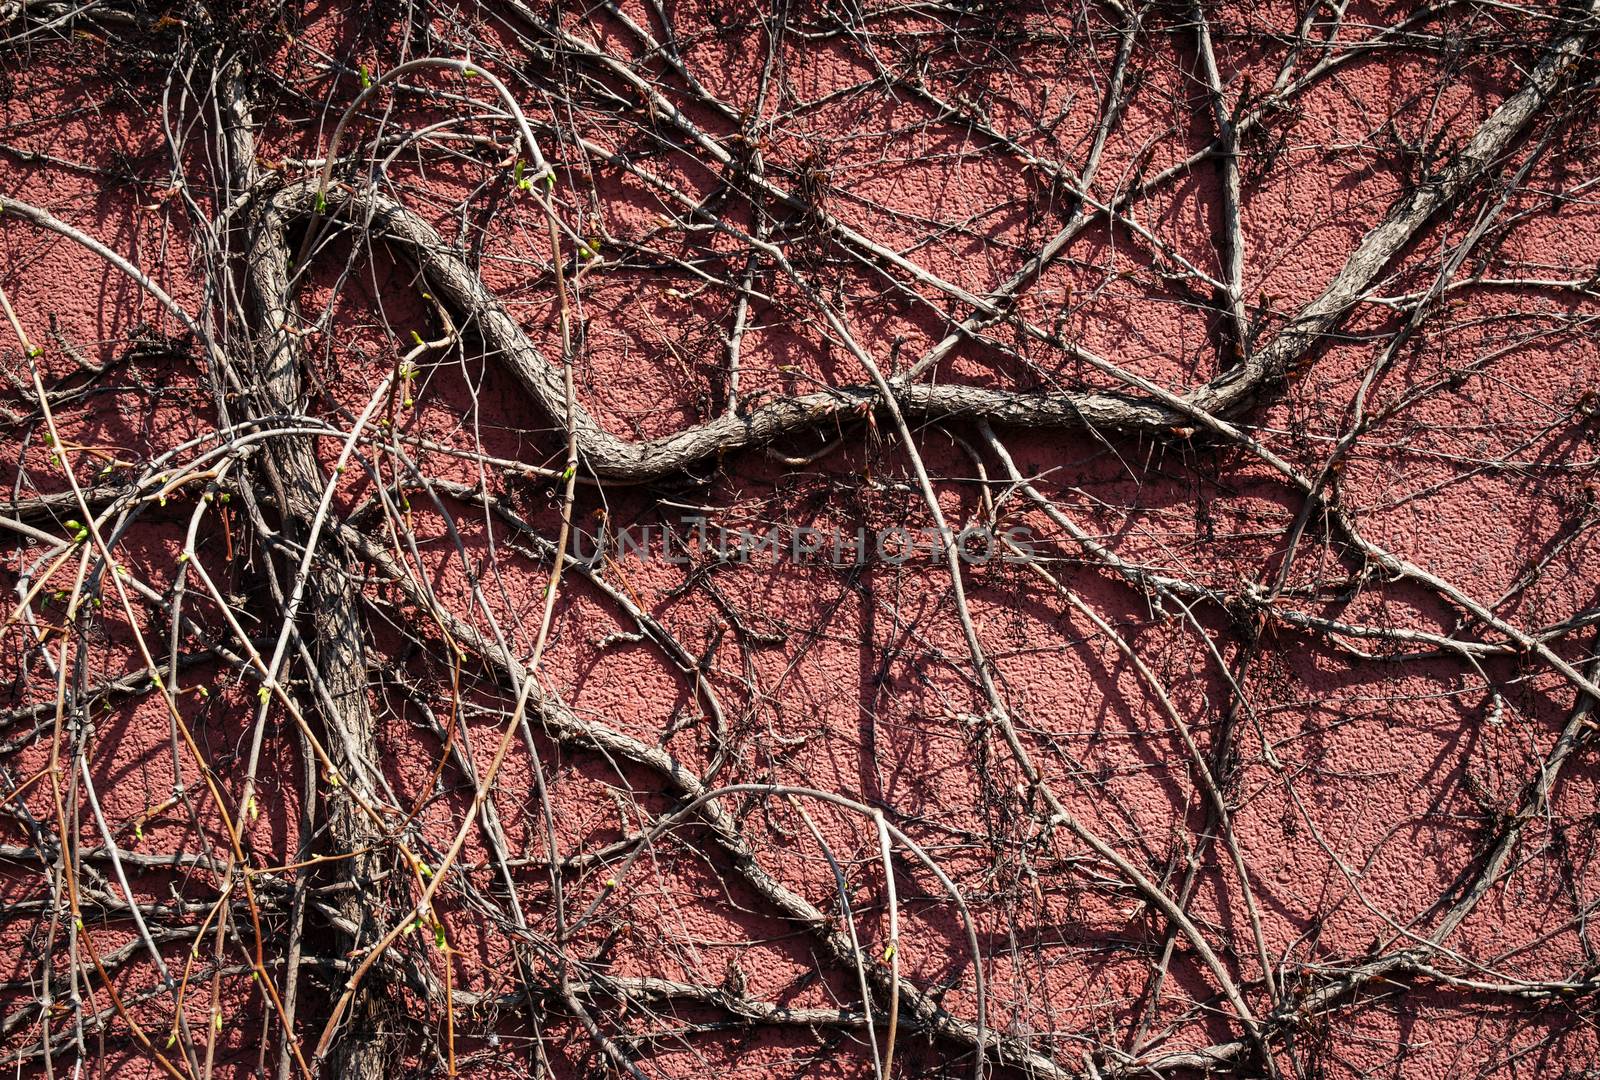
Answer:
(1271, 758)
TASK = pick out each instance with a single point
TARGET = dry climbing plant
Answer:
(338, 742)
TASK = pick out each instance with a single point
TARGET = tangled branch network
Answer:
(349, 729)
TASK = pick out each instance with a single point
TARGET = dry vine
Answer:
(351, 731)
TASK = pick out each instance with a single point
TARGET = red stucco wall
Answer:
(1362, 790)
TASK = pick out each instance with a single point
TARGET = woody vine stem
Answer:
(330, 750)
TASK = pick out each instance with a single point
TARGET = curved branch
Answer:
(1143, 408)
